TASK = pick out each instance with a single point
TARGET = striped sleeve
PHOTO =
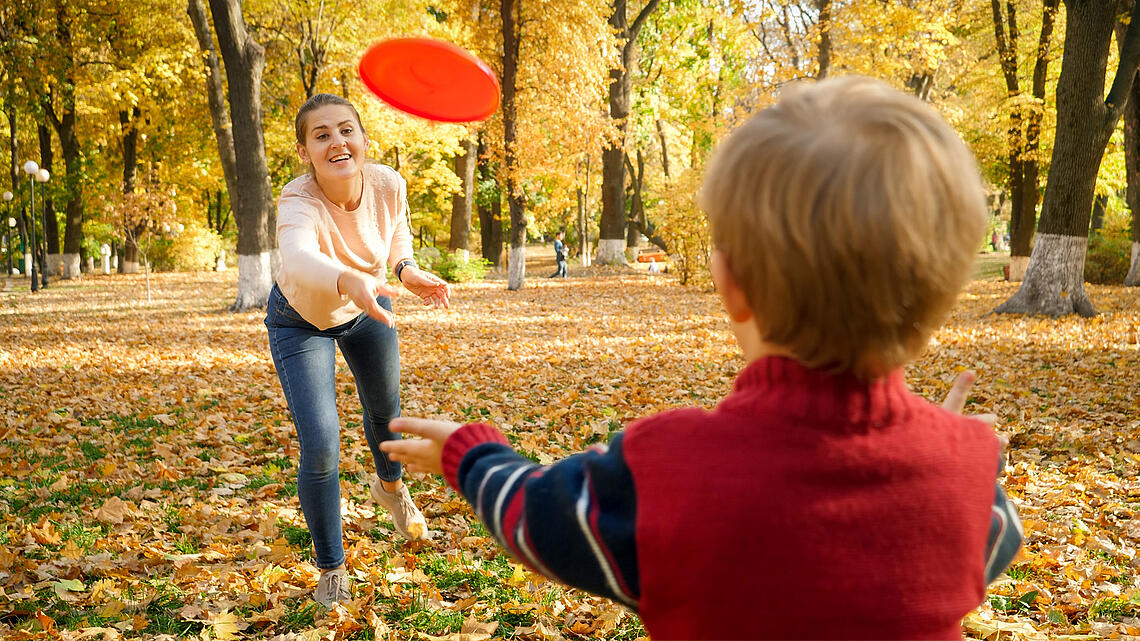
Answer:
(573, 521)
(1006, 534)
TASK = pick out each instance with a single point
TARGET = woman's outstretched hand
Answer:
(363, 289)
(421, 454)
(431, 289)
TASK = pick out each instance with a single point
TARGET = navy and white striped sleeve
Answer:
(573, 521)
(1006, 534)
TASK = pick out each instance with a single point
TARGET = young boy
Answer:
(821, 498)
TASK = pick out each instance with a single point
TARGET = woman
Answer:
(337, 228)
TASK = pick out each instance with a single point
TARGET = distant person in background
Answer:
(653, 269)
(995, 240)
(560, 255)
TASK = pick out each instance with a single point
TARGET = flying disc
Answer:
(431, 79)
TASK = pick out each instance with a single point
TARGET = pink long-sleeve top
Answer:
(319, 240)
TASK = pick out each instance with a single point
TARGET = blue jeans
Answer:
(305, 360)
(561, 264)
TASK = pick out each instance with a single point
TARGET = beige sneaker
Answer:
(407, 518)
(332, 588)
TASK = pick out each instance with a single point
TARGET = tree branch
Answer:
(1129, 61)
(642, 16)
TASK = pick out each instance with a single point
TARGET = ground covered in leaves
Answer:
(147, 460)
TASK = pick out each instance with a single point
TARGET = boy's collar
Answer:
(835, 397)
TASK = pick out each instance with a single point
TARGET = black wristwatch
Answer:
(400, 268)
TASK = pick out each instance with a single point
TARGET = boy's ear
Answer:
(735, 302)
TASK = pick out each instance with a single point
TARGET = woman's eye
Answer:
(322, 136)
(346, 131)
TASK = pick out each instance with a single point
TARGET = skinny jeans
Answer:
(305, 360)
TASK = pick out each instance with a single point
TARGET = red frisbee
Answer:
(431, 79)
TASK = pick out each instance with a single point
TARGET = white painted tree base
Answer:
(130, 267)
(516, 268)
(54, 264)
(586, 258)
(611, 251)
(1133, 277)
(255, 279)
(1017, 267)
(1054, 283)
(220, 266)
(70, 264)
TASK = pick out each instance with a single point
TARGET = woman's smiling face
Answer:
(335, 143)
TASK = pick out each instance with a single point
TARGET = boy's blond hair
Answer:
(849, 213)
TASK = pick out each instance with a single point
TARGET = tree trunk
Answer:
(824, 55)
(664, 148)
(1132, 165)
(131, 250)
(215, 95)
(488, 204)
(252, 198)
(14, 175)
(1054, 281)
(585, 257)
(128, 126)
(611, 242)
(516, 262)
(1100, 208)
(131, 229)
(461, 202)
(637, 205)
(54, 262)
(65, 126)
(1024, 129)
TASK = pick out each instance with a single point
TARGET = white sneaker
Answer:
(407, 518)
(332, 588)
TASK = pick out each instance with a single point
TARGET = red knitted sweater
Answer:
(811, 506)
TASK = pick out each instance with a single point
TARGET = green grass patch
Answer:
(1111, 609)
(85, 536)
(991, 266)
(92, 451)
(299, 538)
(416, 618)
(300, 615)
(1011, 604)
(135, 424)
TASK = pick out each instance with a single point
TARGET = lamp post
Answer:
(31, 168)
(8, 228)
(42, 176)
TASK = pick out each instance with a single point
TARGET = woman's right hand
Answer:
(363, 289)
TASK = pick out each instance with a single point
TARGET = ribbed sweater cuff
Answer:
(460, 442)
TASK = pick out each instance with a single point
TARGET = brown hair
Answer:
(301, 125)
(849, 213)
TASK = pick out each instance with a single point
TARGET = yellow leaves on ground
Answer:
(148, 462)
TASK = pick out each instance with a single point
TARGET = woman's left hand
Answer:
(431, 289)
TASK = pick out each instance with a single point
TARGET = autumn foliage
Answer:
(149, 463)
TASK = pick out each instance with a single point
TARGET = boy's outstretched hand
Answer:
(419, 454)
(956, 400)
